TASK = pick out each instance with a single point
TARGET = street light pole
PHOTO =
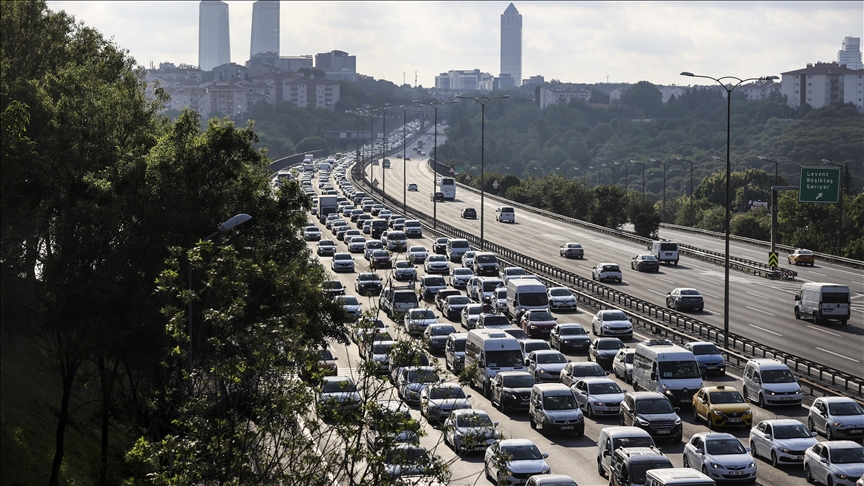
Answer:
(840, 208)
(773, 202)
(729, 88)
(626, 177)
(404, 163)
(482, 100)
(690, 201)
(435, 105)
(663, 217)
(643, 176)
(384, 149)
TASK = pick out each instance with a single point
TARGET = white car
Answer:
(357, 244)
(622, 364)
(720, 456)
(437, 401)
(404, 271)
(832, 463)
(561, 298)
(417, 254)
(470, 430)
(417, 320)
(335, 393)
(468, 259)
(837, 418)
(598, 396)
(612, 323)
(312, 233)
(437, 264)
(342, 262)
(782, 441)
(606, 271)
(352, 306)
(459, 278)
(509, 459)
(470, 315)
(545, 365)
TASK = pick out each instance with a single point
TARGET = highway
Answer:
(760, 309)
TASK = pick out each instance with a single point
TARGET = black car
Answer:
(367, 283)
(603, 350)
(437, 196)
(333, 288)
(569, 336)
(469, 213)
(440, 246)
(511, 390)
(680, 299)
(645, 263)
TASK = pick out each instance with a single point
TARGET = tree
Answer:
(311, 144)
(643, 216)
(610, 207)
(643, 96)
(754, 224)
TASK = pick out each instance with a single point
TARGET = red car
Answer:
(381, 259)
(537, 323)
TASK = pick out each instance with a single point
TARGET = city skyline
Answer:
(579, 42)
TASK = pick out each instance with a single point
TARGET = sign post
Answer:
(819, 185)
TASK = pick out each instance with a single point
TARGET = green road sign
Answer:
(460, 169)
(772, 259)
(819, 185)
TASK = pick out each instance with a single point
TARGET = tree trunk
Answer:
(106, 379)
(68, 370)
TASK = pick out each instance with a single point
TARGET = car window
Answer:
(845, 408)
(614, 316)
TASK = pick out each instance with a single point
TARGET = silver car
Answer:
(513, 461)
(459, 278)
(781, 441)
(438, 400)
(611, 323)
(404, 271)
(470, 430)
(468, 259)
(622, 365)
(546, 365)
(470, 315)
(417, 254)
(721, 457)
(838, 462)
(337, 393)
(598, 396)
(837, 418)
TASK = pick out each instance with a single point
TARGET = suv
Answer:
(454, 352)
(770, 382)
(652, 412)
(395, 300)
(430, 285)
(553, 406)
(613, 438)
(468, 213)
(630, 464)
(485, 263)
(505, 214)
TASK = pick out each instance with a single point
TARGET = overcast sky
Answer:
(580, 42)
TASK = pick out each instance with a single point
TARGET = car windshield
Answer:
(550, 358)
(777, 376)
(518, 381)
(560, 292)
(405, 296)
(342, 256)
(436, 258)
(469, 254)
(326, 243)
(534, 346)
(412, 224)
(490, 286)
(463, 271)
(540, 315)
(649, 258)
(422, 314)
(358, 240)
(628, 357)
(368, 276)
(692, 292)
(703, 349)
(612, 344)
(804, 252)
(382, 348)
(726, 397)
(574, 245)
(458, 300)
(614, 316)
(485, 258)
(326, 355)
(335, 386)
(633, 442)
(792, 431)
(381, 254)
(332, 284)
(474, 310)
(349, 300)
(404, 265)
(516, 333)
(559, 402)
(418, 249)
(528, 452)
(459, 244)
(424, 376)
(604, 388)
(847, 455)
(407, 455)
(572, 331)
(504, 359)
(374, 244)
(678, 369)
(444, 392)
(845, 408)
(719, 447)
(459, 345)
(654, 405)
(611, 268)
(434, 282)
(442, 330)
(474, 420)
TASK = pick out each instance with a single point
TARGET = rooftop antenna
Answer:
(403, 78)
(415, 79)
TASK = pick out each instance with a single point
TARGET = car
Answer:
(494, 321)
(404, 271)
(553, 407)
(468, 213)
(439, 399)
(511, 390)
(652, 412)
(311, 233)
(454, 352)
(509, 272)
(499, 299)
(437, 197)
(453, 306)
(832, 463)
(513, 461)
(545, 365)
(439, 247)
(437, 264)
(645, 263)
(569, 336)
(441, 297)
(431, 285)
(561, 298)
(342, 262)
(537, 322)
(326, 248)
(368, 283)
(390, 423)
(381, 259)
(721, 406)
(371, 245)
(527, 346)
(838, 418)
(611, 322)
(468, 258)
(719, 456)
(357, 244)
(613, 438)
(459, 278)
(598, 396)
(413, 228)
(377, 208)
(332, 288)
(417, 320)
(572, 250)
(708, 357)
(468, 430)
(367, 227)
(770, 382)
(470, 315)
(321, 363)
(353, 307)
(622, 365)
(412, 187)
(364, 327)
(603, 350)
(514, 332)
(682, 298)
(606, 271)
(801, 257)
(485, 264)
(782, 441)
(412, 380)
(336, 396)
(417, 254)
(406, 460)
(551, 480)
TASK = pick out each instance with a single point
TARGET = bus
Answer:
(447, 186)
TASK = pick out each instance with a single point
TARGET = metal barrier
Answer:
(599, 295)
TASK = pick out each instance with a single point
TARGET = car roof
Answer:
(547, 351)
(836, 399)
(782, 422)
(715, 435)
(516, 442)
(842, 444)
(597, 379)
(513, 373)
(624, 430)
(719, 388)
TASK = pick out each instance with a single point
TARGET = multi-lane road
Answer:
(760, 309)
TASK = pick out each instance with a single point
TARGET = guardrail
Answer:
(673, 322)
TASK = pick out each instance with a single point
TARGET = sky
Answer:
(577, 42)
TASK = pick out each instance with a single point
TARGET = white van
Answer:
(505, 214)
(491, 351)
(525, 294)
(667, 369)
(823, 302)
(681, 476)
(664, 251)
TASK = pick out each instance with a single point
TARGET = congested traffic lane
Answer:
(574, 456)
(760, 309)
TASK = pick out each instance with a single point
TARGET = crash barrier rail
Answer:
(600, 294)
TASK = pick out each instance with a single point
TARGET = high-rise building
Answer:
(265, 28)
(511, 44)
(337, 65)
(850, 55)
(214, 39)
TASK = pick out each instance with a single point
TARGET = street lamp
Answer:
(729, 88)
(643, 176)
(690, 203)
(840, 208)
(384, 149)
(435, 105)
(626, 177)
(663, 217)
(773, 202)
(404, 163)
(482, 100)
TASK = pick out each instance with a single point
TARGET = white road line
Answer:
(760, 310)
(664, 280)
(838, 355)
(760, 296)
(586, 268)
(766, 330)
(655, 292)
(514, 241)
(711, 295)
(826, 332)
(532, 248)
(817, 273)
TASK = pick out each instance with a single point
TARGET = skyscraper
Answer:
(511, 44)
(265, 27)
(850, 55)
(214, 39)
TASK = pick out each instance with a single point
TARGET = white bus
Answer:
(447, 186)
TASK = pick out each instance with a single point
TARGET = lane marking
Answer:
(760, 310)
(757, 295)
(823, 330)
(837, 354)
(532, 248)
(820, 274)
(707, 280)
(765, 330)
(586, 268)
(655, 292)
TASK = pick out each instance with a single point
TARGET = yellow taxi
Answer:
(721, 406)
(801, 257)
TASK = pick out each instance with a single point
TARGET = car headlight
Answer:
(551, 419)
(715, 465)
(751, 465)
(665, 388)
(598, 404)
(677, 420)
(838, 423)
(785, 450)
(642, 422)
(748, 412)
(842, 476)
(718, 413)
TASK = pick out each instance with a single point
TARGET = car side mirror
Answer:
(768, 436)
(823, 460)
(815, 434)
(757, 380)
(468, 396)
(606, 453)
(495, 424)
(797, 297)
(335, 358)
(700, 452)
(677, 409)
(545, 456)
(653, 376)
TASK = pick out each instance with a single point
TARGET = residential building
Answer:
(465, 80)
(214, 39)
(850, 55)
(316, 93)
(668, 92)
(759, 90)
(265, 28)
(294, 63)
(337, 65)
(562, 96)
(225, 97)
(823, 84)
(229, 71)
(534, 81)
(169, 73)
(511, 43)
